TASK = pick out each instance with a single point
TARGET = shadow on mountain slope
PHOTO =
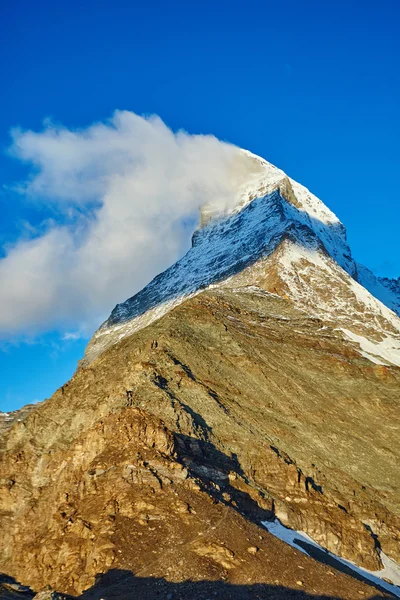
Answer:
(211, 466)
(125, 586)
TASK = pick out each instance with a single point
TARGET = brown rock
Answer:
(262, 413)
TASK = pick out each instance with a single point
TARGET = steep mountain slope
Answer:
(255, 379)
(265, 410)
(393, 285)
(387, 290)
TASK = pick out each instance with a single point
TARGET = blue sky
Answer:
(314, 87)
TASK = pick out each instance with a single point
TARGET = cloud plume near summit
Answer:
(121, 194)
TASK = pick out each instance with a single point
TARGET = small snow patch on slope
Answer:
(300, 541)
(386, 352)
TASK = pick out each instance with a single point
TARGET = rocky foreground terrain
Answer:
(209, 404)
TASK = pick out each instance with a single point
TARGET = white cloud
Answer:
(72, 335)
(125, 189)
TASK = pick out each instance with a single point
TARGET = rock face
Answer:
(204, 408)
(7, 420)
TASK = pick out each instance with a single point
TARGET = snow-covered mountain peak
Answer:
(298, 205)
(275, 225)
(263, 178)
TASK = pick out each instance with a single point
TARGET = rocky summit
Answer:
(232, 430)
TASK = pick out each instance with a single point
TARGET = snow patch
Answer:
(294, 538)
(388, 349)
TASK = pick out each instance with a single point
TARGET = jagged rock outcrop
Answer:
(7, 420)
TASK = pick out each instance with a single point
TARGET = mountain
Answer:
(283, 239)
(255, 381)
